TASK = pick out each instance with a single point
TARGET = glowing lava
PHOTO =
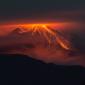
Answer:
(46, 31)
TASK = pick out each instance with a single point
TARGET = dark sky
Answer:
(42, 9)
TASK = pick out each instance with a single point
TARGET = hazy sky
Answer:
(42, 10)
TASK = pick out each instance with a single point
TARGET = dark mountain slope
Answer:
(22, 70)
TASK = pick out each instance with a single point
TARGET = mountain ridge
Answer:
(22, 69)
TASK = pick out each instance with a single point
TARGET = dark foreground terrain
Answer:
(22, 70)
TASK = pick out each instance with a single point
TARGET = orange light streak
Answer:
(46, 32)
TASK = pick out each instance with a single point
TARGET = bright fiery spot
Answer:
(48, 33)
(52, 25)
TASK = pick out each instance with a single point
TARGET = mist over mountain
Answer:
(18, 36)
(24, 42)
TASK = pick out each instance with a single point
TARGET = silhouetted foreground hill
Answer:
(22, 70)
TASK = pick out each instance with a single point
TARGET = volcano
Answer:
(40, 42)
(43, 32)
(35, 35)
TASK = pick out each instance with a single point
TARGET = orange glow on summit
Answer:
(47, 32)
